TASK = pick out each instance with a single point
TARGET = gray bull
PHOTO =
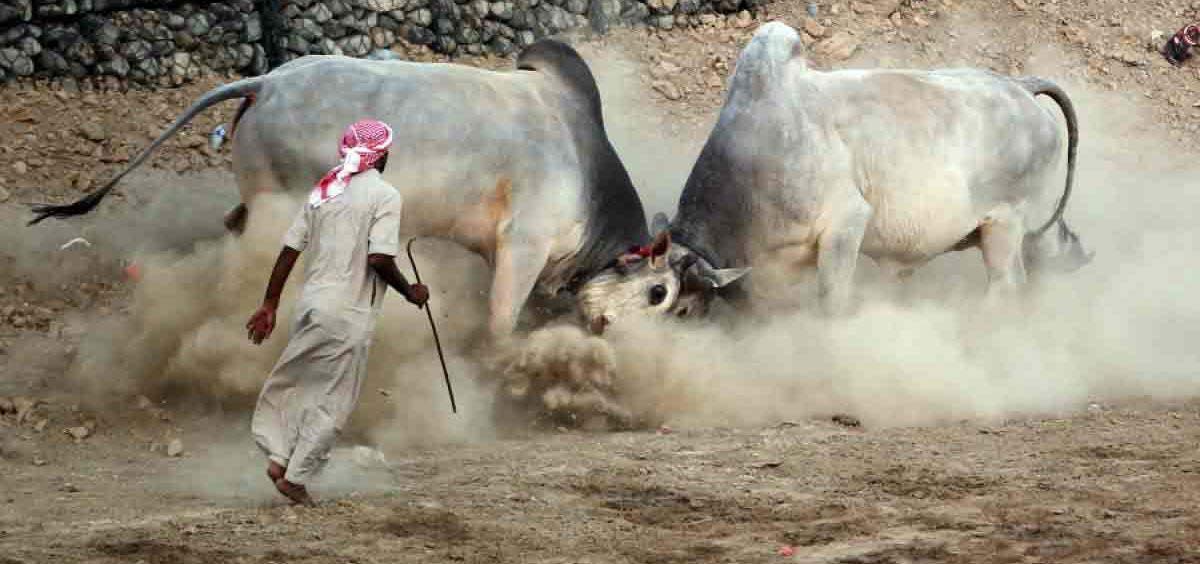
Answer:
(811, 168)
(515, 166)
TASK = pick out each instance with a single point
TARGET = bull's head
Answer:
(660, 279)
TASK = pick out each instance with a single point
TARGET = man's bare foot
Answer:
(275, 472)
(295, 492)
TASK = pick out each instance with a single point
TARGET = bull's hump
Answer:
(563, 63)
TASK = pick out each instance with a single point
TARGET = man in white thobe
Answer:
(350, 226)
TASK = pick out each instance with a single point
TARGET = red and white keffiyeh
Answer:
(362, 145)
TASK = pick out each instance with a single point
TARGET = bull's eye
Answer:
(658, 293)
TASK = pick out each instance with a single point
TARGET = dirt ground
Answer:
(177, 479)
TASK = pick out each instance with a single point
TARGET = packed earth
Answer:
(916, 432)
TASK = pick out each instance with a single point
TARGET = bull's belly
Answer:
(915, 233)
(915, 242)
(910, 237)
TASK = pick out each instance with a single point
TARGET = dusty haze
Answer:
(919, 354)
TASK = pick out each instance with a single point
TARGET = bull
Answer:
(515, 166)
(806, 168)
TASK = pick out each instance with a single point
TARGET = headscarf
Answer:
(363, 144)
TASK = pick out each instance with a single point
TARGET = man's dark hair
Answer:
(381, 163)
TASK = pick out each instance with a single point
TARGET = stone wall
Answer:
(172, 42)
(143, 40)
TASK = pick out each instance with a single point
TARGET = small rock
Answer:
(667, 89)
(367, 457)
(93, 131)
(744, 20)
(846, 420)
(25, 407)
(661, 6)
(382, 38)
(839, 46)
(768, 464)
(78, 433)
(174, 448)
(920, 21)
(4, 195)
(664, 70)
(39, 461)
(813, 27)
(1020, 5)
(69, 488)
(6, 406)
(20, 167)
(144, 402)
(862, 8)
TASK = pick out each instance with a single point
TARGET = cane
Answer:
(436, 341)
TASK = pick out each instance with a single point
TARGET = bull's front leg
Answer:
(235, 219)
(519, 262)
(837, 255)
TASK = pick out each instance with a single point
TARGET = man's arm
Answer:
(385, 267)
(262, 323)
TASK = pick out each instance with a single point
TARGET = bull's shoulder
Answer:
(562, 62)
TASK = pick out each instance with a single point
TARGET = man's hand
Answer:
(261, 324)
(385, 267)
(417, 294)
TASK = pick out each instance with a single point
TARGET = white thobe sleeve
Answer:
(384, 236)
(297, 235)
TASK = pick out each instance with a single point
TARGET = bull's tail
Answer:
(1063, 253)
(240, 89)
(1037, 86)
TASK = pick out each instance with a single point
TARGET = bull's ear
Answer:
(660, 223)
(659, 249)
(722, 277)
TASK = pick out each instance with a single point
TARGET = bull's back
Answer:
(459, 132)
(911, 126)
(447, 113)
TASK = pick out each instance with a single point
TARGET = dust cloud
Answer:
(922, 353)
(928, 350)
(184, 335)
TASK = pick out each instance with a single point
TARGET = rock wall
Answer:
(171, 42)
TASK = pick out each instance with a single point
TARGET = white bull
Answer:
(515, 166)
(811, 168)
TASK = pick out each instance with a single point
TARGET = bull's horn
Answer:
(720, 277)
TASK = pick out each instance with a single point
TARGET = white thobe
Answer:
(314, 386)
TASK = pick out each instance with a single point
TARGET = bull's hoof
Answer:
(235, 219)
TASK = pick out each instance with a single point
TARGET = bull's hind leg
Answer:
(837, 255)
(1000, 235)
